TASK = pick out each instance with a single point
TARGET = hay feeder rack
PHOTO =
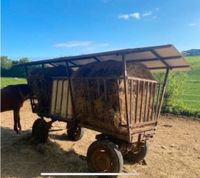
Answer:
(142, 106)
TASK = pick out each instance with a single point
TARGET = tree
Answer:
(6, 63)
(9, 67)
(23, 60)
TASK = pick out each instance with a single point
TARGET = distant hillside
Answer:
(191, 52)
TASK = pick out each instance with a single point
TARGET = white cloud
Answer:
(147, 13)
(84, 46)
(135, 15)
(73, 44)
(124, 16)
(192, 24)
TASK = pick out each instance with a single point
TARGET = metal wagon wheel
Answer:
(135, 156)
(75, 132)
(104, 156)
(40, 131)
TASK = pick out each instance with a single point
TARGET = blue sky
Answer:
(53, 28)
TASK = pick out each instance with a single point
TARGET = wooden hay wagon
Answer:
(112, 92)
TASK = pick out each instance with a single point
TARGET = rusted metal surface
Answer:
(126, 96)
(141, 102)
(136, 89)
(162, 92)
(145, 101)
(136, 102)
(117, 87)
(139, 94)
(61, 100)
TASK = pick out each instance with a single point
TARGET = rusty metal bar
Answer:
(126, 96)
(155, 59)
(153, 103)
(87, 56)
(150, 101)
(162, 60)
(101, 78)
(61, 100)
(144, 129)
(174, 67)
(163, 91)
(88, 94)
(140, 79)
(70, 87)
(117, 86)
(143, 124)
(146, 100)
(43, 85)
(136, 101)
(56, 93)
(158, 88)
(131, 100)
(158, 96)
(141, 101)
(68, 93)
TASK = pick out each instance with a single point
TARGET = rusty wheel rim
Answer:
(101, 160)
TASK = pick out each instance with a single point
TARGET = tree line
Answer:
(9, 67)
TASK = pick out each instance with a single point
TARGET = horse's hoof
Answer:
(17, 132)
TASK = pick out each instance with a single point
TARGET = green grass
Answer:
(190, 96)
(11, 81)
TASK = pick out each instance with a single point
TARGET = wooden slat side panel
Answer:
(53, 97)
(65, 98)
(59, 89)
(61, 101)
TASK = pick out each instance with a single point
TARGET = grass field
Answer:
(11, 81)
(191, 91)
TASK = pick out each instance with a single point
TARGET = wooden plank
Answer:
(141, 102)
(149, 101)
(136, 102)
(146, 100)
(131, 100)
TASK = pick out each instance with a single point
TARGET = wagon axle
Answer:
(40, 130)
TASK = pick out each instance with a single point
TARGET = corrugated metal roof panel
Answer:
(155, 58)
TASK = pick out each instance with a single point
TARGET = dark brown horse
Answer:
(12, 98)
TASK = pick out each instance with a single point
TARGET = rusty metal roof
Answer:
(154, 58)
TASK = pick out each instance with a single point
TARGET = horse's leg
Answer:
(17, 120)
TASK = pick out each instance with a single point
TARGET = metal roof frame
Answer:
(72, 60)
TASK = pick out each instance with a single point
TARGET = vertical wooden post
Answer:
(31, 99)
(126, 97)
(70, 88)
(163, 91)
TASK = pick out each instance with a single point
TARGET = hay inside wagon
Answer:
(41, 82)
(99, 93)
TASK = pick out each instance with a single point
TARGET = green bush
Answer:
(175, 86)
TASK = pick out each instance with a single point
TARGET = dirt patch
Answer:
(173, 152)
